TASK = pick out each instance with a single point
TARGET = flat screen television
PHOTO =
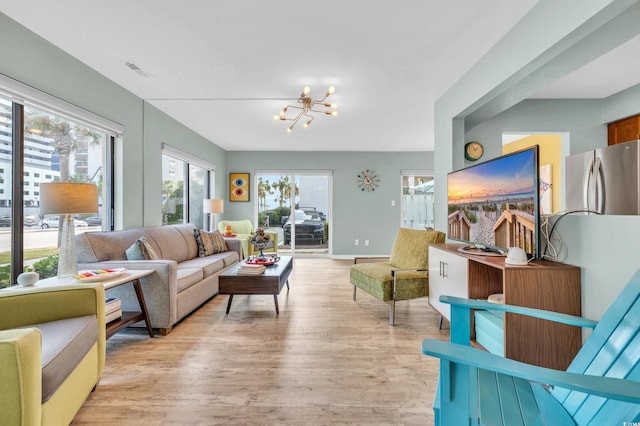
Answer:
(495, 205)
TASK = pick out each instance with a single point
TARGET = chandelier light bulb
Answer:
(290, 129)
(277, 117)
(307, 124)
(330, 90)
(306, 91)
(334, 106)
(334, 113)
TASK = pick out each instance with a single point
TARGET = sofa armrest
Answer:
(20, 375)
(24, 306)
(235, 245)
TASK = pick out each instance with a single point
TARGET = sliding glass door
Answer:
(296, 205)
(417, 200)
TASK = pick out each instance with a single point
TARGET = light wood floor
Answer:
(324, 360)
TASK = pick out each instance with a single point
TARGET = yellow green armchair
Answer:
(244, 231)
(41, 383)
(404, 275)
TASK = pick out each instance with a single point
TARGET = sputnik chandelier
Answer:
(307, 108)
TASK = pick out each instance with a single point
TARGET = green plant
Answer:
(46, 267)
(5, 276)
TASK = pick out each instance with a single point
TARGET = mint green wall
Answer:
(356, 214)
(552, 40)
(159, 129)
(33, 61)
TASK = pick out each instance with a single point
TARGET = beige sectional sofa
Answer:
(182, 280)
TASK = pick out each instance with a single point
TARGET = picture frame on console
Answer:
(239, 186)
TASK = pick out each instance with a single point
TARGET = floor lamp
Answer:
(212, 207)
(69, 198)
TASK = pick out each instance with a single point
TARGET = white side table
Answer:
(128, 317)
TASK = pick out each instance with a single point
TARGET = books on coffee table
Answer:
(250, 269)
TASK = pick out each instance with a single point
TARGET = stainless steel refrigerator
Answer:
(605, 180)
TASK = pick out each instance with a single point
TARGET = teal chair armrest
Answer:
(461, 316)
(531, 312)
(606, 387)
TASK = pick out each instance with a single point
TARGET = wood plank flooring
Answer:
(324, 360)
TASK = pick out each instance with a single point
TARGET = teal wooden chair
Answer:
(601, 386)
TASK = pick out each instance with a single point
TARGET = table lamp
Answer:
(212, 207)
(57, 198)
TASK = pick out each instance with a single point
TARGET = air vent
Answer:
(133, 67)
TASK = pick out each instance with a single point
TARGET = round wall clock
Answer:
(473, 151)
(367, 180)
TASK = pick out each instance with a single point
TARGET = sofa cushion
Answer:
(188, 277)
(64, 344)
(174, 242)
(209, 265)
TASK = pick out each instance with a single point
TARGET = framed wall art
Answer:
(238, 186)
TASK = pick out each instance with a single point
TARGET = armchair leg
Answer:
(392, 313)
(354, 293)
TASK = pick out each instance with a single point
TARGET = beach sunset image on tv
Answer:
(495, 203)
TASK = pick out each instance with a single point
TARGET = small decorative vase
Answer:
(27, 279)
(227, 230)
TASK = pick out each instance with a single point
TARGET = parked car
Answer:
(309, 229)
(54, 222)
(313, 212)
(29, 220)
(94, 221)
(5, 221)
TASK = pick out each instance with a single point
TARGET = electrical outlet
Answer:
(357, 242)
(393, 203)
(366, 242)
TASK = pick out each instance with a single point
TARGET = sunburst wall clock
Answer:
(368, 180)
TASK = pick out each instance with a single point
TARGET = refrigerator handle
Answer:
(598, 191)
(587, 192)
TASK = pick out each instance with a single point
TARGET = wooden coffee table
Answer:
(271, 282)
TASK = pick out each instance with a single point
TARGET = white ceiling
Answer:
(224, 69)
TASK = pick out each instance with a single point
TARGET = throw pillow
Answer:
(134, 252)
(213, 242)
(147, 249)
(202, 252)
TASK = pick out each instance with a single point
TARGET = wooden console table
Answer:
(541, 284)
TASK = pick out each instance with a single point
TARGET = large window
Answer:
(39, 146)
(185, 183)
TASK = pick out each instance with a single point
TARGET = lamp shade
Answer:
(57, 198)
(213, 206)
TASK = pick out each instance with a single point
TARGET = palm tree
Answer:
(264, 189)
(283, 187)
(65, 135)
